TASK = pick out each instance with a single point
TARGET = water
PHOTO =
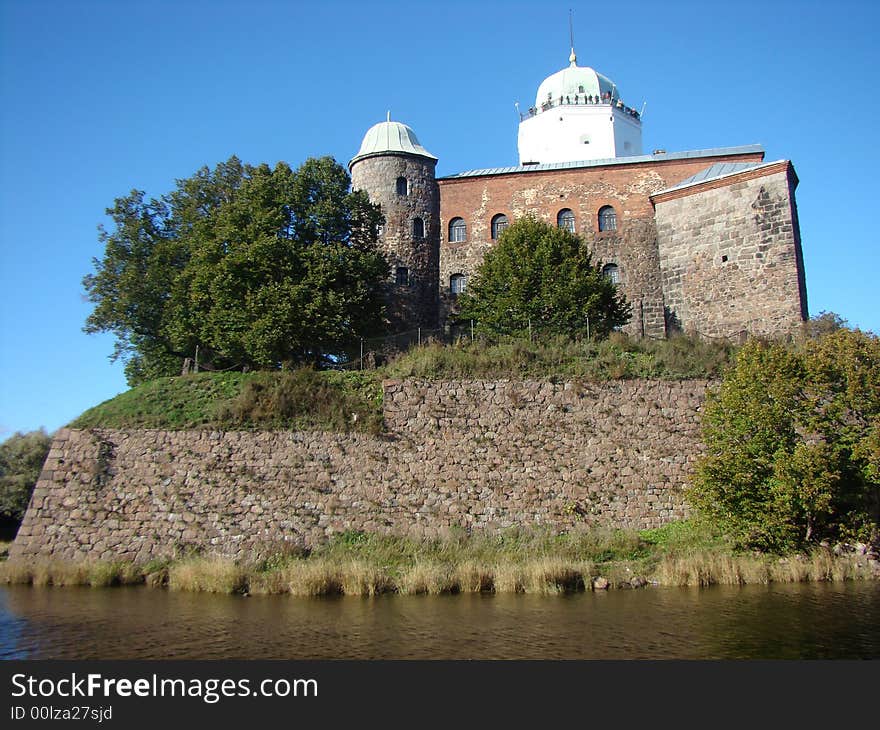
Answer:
(800, 621)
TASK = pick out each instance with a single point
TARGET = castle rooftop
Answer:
(634, 160)
(575, 81)
(390, 138)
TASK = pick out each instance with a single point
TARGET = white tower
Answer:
(578, 115)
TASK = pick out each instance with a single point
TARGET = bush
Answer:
(542, 276)
(793, 443)
(21, 460)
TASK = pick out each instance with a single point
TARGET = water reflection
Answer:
(778, 622)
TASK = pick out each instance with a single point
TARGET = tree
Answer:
(249, 266)
(21, 460)
(543, 274)
(793, 443)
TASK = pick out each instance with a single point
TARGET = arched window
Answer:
(401, 276)
(612, 272)
(457, 230)
(565, 219)
(457, 284)
(607, 218)
(402, 186)
(418, 228)
(499, 223)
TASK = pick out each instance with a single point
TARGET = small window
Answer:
(402, 186)
(565, 219)
(457, 230)
(401, 276)
(499, 223)
(457, 284)
(607, 218)
(418, 228)
(612, 272)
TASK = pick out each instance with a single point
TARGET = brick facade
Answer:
(626, 186)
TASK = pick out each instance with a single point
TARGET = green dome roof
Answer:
(390, 138)
(575, 80)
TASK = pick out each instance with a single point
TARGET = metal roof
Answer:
(687, 155)
(390, 138)
(717, 171)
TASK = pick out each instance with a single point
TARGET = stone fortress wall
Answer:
(730, 254)
(481, 455)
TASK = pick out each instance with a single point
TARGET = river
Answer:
(797, 621)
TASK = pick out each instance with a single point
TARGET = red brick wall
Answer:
(626, 187)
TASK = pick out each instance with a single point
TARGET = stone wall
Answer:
(413, 302)
(476, 454)
(730, 254)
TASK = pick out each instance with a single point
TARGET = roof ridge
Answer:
(635, 159)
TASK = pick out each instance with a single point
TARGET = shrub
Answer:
(792, 443)
(544, 276)
(21, 460)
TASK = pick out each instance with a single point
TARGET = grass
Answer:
(97, 574)
(516, 561)
(352, 401)
(296, 400)
(617, 357)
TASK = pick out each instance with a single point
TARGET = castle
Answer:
(704, 240)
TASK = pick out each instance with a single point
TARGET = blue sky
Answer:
(98, 98)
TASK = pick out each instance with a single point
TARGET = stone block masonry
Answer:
(482, 455)
(730, 255)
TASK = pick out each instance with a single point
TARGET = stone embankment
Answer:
(473, 454)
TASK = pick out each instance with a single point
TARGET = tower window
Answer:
(402, 186)
(457, 230)
(607, 218)
(418, 228)
(612, 272)
(401, 276)
(457, 284)
(565, 219)
(499, 223)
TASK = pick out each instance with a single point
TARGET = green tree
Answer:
(792, 440)
(543, 274)
(252, 266)
(21, 460)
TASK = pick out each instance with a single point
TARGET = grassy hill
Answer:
(342, 401)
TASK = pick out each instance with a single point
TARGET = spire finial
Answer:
(572, 59)
(388, 118)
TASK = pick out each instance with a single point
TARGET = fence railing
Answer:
(375, 351)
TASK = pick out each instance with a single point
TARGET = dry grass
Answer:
(210, 575)
(428, 578)
(517, 561)
(97, 574)
(708, 568)
(475, 577)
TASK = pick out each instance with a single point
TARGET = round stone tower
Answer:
(398, 174)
